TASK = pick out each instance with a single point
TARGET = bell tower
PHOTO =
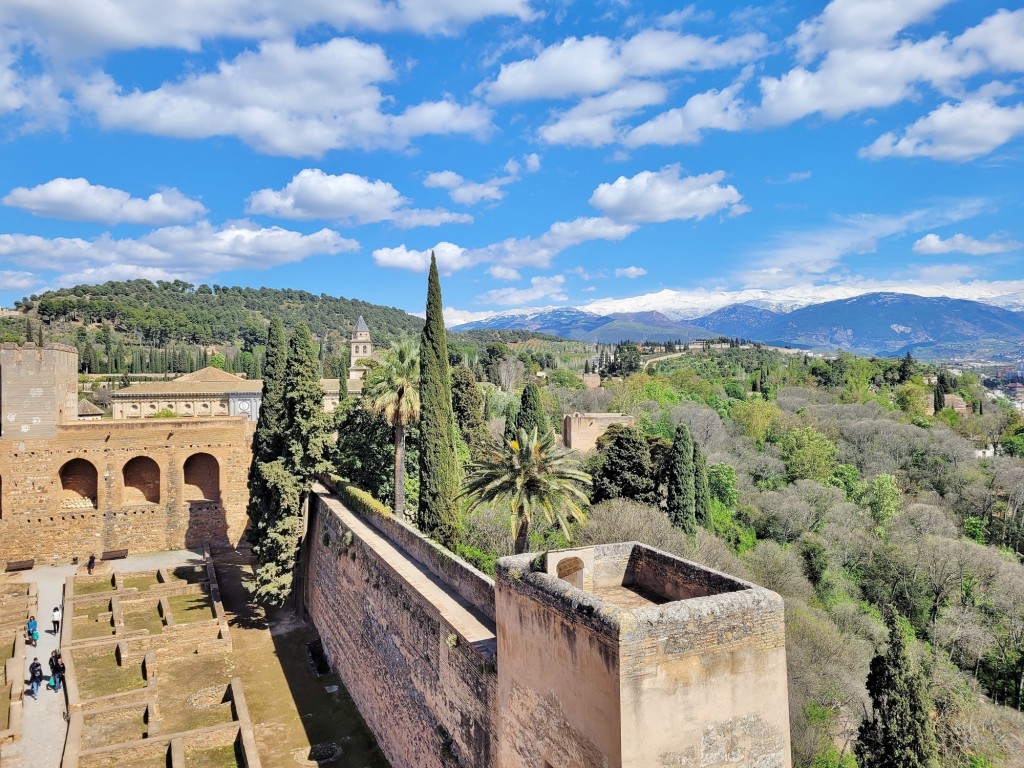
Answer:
(362, 348)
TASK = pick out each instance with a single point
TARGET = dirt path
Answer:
(292, 708)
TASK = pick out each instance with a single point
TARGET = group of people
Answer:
(35, 669)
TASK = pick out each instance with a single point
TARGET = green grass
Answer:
(100, 675)
(91, 629)
(182, 677)
(94, 586)
(228, 756)
(128, 725)
(189, 573)
(144, 615)
(139, 581)
(185, 608)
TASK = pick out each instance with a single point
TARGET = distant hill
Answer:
(872, 324)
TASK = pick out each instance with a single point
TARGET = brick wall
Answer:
(51, 521)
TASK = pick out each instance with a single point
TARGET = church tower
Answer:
(362, 348)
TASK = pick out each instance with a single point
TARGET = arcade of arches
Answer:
(141, 486)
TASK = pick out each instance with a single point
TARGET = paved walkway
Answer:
(44, 728)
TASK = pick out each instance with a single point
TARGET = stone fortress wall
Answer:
(616, 655)
(69, 487)
(581, 430)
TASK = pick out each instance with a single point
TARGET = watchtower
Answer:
(38, 390)
(362, 348)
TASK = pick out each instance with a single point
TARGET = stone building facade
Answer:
(611, 656)
(70, 487)
(581, 430)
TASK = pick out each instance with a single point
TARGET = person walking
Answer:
(35, 676)
(32, 631)
(92, 563)
(56, 620)
(56, 671)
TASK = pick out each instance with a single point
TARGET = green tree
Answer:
(899, 730)
(304, 455)
(884, 498)
(722, 483)
(807, 454)
(468, 407)
(511, 413)
(938, 399)
(701, 488)
(391, 390)
(533, 477)
(531, 414)
(624, 468)
(439, 467)
(681, 505)
(365, 451)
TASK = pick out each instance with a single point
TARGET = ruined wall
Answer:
(581, 430)
(44, 518)
(397, 635)
(38, 389)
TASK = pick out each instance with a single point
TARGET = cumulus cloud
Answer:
(961, 243)
(346, 197)
(596, 121)
(467, 192)
(86, 29)
(18, 281)
(723, 110)
(630, 272)
(78, 200)
(551, 287)
(504, 273)
(663, 195)
(957, 132)
(454, 317)
(593, 64)
(186, 252)
(450, 258)
(285, 100)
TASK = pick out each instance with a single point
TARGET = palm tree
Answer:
(392, 390)
(534, 477)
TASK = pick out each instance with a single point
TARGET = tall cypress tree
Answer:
(938, 399)
(701, 491)
(304, 454)
(468, 407)
(511, 414)
(531, 413)
(266, 441)
(681, 502)
(439, 467)
(899, 730)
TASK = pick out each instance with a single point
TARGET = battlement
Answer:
(38, 390)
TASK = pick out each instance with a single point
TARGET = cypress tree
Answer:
(939, 399)
(899, 730)
(468, 407)
(439, 468)
(679, 479)
(531, 413)
(303, 455)
(626, 470)
(701, 491)
(511, 414)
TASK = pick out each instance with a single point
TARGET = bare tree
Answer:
(510, 372)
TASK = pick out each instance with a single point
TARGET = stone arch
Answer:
(202, 478)
(141, 481)
(571, 569)
(79, 485)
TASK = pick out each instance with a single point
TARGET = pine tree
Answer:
(531, 413)
(304, 454)
(439, 468)
(679, 479)
(626, 470)
(899, 730)
(701, 491)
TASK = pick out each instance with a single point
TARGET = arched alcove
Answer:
(202, 478)
(141, 481)
(78, 484)
(571, 569)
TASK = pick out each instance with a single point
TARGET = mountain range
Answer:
(874, 324)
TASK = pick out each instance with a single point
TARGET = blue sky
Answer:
(551, 152)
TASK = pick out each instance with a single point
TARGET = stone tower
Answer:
(362, 348)
(38, 390)
(623, 656)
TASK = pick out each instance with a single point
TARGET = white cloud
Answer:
(454, 317)
(593, 64)
(961, 243)
(18, 281)
(313, 194)
(998, 38)
(285, 100)
(450, 258)
(659, 196)
(186, 252)
(78, 200)
(630, 272)
(468, 192)
(595, 121)
(504, 273)
(722, 109)
(540, 287)
(957, 132)
(86, 29)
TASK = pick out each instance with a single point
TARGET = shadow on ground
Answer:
(300, 717)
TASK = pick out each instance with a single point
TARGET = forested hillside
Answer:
(829, 481)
